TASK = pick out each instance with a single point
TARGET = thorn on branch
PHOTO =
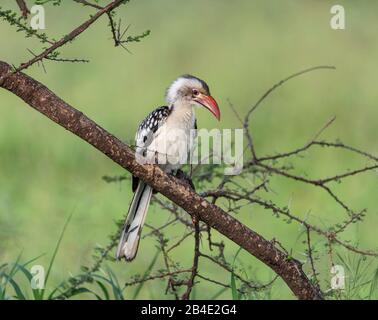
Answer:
(119, 36)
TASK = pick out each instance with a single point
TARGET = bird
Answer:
(165, 137)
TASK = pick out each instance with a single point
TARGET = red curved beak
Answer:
(209, 103)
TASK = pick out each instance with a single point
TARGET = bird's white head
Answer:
(191, 90)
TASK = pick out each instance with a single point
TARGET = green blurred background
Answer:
(240, 48)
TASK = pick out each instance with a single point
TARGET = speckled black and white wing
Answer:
(146, 131)
(149, 126)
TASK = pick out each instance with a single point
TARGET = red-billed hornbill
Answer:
(164, 137)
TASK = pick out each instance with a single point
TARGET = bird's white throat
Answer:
(182, 116)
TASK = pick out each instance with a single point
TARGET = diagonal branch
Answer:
(67, 38)
(264, 96)
(23, 8)
(45, 101)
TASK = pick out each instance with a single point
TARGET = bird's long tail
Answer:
(132, 229)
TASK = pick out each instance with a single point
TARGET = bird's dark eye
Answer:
(195, 92)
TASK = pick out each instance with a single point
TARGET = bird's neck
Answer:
(182, 114)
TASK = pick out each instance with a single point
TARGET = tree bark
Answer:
(45, 101)
(23, 8)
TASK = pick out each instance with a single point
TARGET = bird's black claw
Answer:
(184, 178)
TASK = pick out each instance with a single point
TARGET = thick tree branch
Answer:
(45, 101)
